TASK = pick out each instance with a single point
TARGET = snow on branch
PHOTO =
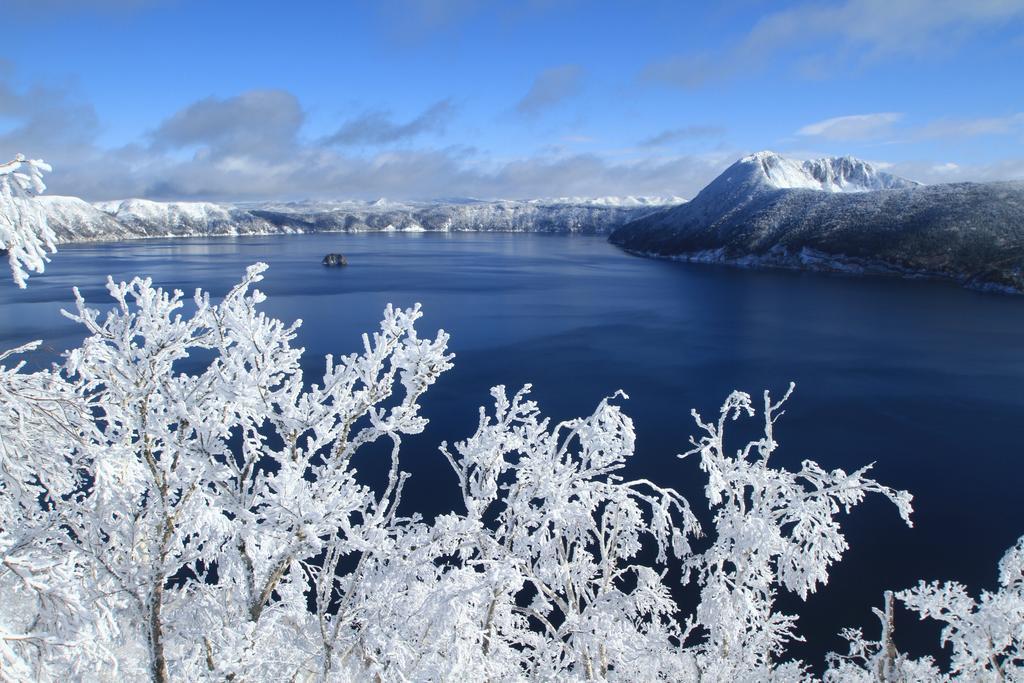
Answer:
(24, 233)
(773, 529)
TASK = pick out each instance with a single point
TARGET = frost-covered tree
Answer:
(557, 537)
(197, 507)
(774, 529)
(985, 635)
(24, 233)
(179, 503)
(49, 621)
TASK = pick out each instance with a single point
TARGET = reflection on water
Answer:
(924, 379)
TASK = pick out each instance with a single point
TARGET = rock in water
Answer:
(335, 260)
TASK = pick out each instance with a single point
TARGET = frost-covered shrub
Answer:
(186, 513)
(774, 529)
(985, 636)
(211, 523)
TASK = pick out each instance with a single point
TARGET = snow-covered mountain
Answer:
(829, 174)
(842, 214)
(764, 173)
(75, 220)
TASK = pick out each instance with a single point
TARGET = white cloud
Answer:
(683, 133)
(551, 87)
(853, 127)
(882, 124)
(689, 71)
(883, 27)
(964, 128)
(252, 146)
(949, 172)
(377, 127)
(261, 123)
(410, 174)
(830, 38)
(43, 120)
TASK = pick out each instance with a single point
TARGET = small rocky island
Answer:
(335, 260)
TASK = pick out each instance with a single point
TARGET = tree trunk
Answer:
(158, 661)
(887, 662)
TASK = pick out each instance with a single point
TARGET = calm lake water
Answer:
(924, 379)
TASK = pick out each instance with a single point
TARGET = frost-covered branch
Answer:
(569, 532)
(774, 529)
(986, 635)
(24, 234)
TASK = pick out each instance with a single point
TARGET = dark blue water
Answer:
(924, 379)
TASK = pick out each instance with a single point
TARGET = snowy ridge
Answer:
(627, 201)
(73, 219)
(146, 210)
(828, 174)
(150, 218)
(384, 204)
(76, 220)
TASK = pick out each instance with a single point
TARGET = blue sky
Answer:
(435, 98)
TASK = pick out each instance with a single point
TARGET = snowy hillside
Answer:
(842, 214)
(75, 220)
(151, 218)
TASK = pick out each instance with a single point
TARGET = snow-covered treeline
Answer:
(212, 523)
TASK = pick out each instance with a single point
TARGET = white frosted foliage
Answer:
(179, 502)
(24, 233)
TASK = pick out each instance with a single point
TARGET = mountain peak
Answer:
(828, 174)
